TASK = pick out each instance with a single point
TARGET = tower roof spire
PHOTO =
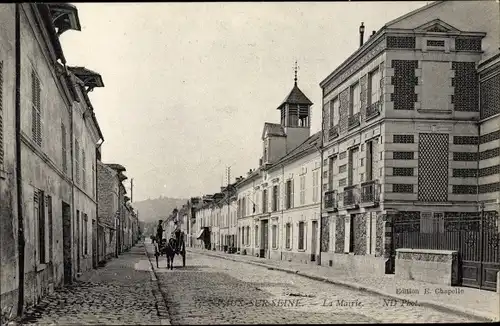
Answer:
(295, 70)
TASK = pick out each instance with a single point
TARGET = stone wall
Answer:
(432, 266)
(360, 234)
(107, 186)
(379, 233)
(325, 236)
(340, 234)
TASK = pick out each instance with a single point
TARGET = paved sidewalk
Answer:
(462, 300)
(122, 292)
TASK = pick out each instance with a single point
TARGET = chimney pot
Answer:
(361, 33)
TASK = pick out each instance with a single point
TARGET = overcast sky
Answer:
(188, 86)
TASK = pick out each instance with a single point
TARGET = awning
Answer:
(200, 233)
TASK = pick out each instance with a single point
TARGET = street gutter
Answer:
(162, 307)
(427, 303)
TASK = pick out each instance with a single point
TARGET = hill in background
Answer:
(151, 210)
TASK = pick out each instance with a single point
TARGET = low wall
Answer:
(432, 266)
(355, 263)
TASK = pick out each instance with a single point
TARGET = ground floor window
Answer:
(274, 235)
(256, 236)
(248, 236)
(301, 235)
(288, 235)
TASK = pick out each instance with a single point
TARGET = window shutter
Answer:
(1, 114)
(84, 177)
(63, 145)
(39, 113)
(33, 107)
(293, 194)
(77, 162)
(36, 127)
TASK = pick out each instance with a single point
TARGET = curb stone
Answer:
(160, 297)
(427, 303)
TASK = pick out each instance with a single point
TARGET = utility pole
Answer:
(228, 200)
(132, 190)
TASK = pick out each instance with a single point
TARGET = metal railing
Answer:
(373, 110)
(354, 121)
(330, 199)
(370, 192)
(333, 132)
(351, 195)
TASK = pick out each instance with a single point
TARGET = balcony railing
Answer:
(351, 196)
(373, 110)
(353, 121)
(333, 132)
(330, 200)
(370, 192)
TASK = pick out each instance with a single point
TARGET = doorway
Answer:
(66, 222)
(264, 240)
(314, 240)
(78, 239)
(94, 244)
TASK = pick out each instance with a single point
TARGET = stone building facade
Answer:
(279, 203)
(108, 203)
(402, 121)
(47, 219)
(274, 211)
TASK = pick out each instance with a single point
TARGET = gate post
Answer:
(389, 255)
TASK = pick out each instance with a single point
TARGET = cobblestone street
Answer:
(210, 290)
(119, 293)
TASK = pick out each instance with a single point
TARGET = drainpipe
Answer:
(72, 178)
(282, 211)
(97, 200)
(320, 227)
(20, 218)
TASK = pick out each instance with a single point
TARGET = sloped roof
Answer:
(296, 96)
(412, 13)
(311, 142)
(116, 167)
(374, 38)
(89, 77)
(273, 129)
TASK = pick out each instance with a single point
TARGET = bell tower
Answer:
(295, 116)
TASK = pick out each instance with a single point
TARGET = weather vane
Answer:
(295, 68)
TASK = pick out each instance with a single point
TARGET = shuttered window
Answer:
(93, 181)
(36, 113)
(301, 235)
(64, 149)
(315, 186)
(302, 190)
(1, 114)
(77, 162)
(84, 171)
(288, 236)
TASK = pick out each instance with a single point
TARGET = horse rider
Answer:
(177, 234)
(159, 231)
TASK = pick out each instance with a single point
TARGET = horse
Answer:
(167, 248)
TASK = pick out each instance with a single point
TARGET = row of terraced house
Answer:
(62, 210)
(403, 177)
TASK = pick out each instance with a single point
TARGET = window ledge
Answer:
(301, 250)
(288, 249)
(424, 110)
